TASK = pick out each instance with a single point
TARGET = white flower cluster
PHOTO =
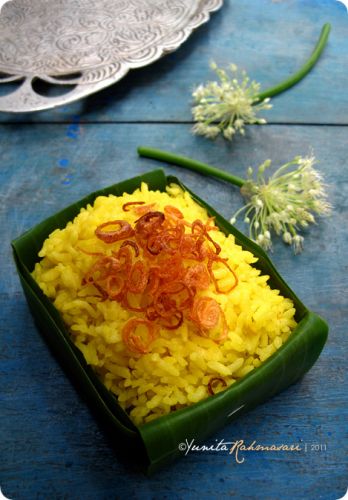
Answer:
(226, 106)
(285, 203)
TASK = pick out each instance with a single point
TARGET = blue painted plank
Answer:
(269, 38)
(50, 444)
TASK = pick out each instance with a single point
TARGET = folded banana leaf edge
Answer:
(156, 443)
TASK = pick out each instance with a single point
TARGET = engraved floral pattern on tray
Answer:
(87, 44)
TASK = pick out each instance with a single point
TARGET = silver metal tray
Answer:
(86, 45)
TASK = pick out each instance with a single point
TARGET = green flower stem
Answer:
(183, 161)
(302, 72)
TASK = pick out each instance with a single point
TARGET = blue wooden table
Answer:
(50, 444)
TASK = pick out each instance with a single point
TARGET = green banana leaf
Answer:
(158, 442)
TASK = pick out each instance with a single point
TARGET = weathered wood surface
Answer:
(269, 38)
(50, 444)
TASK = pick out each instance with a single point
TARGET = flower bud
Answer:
(287, 238)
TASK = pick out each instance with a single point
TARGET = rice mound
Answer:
(181, 363)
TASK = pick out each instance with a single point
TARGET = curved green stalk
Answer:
(205, 169)
(184, 161)
(302, 72)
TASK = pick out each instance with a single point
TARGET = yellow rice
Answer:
(177, 370)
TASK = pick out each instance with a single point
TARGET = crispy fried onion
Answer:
(123, 230)
(159, 268)
(138, 334)
(216, 384)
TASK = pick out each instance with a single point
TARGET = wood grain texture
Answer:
(268, 38)
(50, 444)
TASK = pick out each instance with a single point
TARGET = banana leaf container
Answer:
(157, 443)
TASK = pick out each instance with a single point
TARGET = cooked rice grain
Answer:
(177, 370)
